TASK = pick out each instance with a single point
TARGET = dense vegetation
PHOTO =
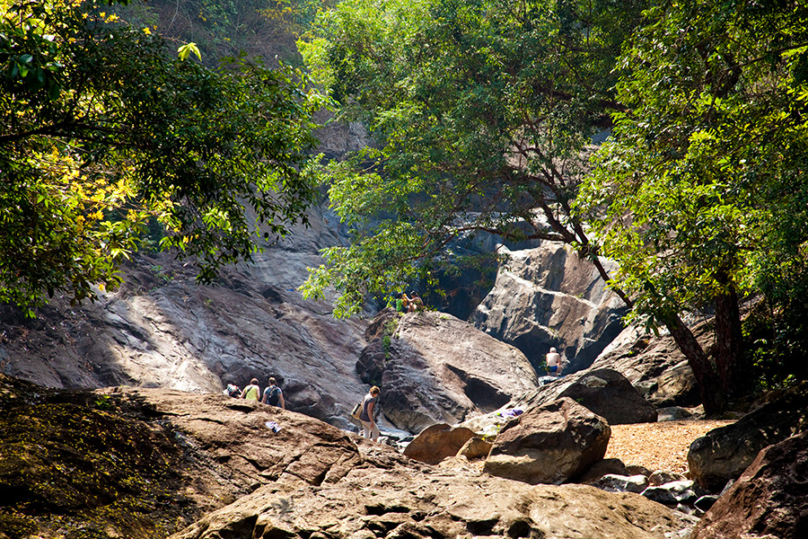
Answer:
(487, 117)
(483, 113)
(102, 131)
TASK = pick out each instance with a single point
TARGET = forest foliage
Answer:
(103, 130)
(487, 119)
(483, 114)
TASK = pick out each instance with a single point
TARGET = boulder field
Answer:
(152, 463)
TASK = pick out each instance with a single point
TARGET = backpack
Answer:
(357, 411)
(274, 396)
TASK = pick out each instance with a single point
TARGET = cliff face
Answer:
(547, 297)
(162, 330)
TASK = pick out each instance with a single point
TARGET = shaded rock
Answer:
(438, 369)
(548, 297)
(655, 365)
(673, 413)
(601, 468)
(724, 453)
(550, 444)
(770, 499)
(475, 448)
(636, 469)
(705, 502)
(610, 395)
(622, 483)
(661, 477)
(435, 443)
(676, 385)
(674, 493)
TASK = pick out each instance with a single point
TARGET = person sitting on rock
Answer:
(400, 307)
(553, 363)
(252, 391)
(416, 304)
(232, 390)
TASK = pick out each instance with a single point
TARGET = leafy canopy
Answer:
(702, 192)
(480, 111)
(101, 131)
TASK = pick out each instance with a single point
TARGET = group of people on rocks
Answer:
(273, 395)
(409, 304)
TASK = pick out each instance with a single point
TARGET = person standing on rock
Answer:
(369, 403)
(273, 395)
(553, 362)
(252, 391)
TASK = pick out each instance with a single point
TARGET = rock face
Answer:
(655, 365)
(435, 443)
(211, 468)
(438, 369)
(162, 330)
(724, 453)
(770, 499)
(549, 444)
(547, 297)
(610, 395)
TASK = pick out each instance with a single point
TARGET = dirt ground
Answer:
(658, 446)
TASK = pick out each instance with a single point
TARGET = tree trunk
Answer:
(710, 389)
(728, 340)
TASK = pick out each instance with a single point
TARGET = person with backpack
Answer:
(252, 391)
(369, 405)
(232, 390)
(273, 395)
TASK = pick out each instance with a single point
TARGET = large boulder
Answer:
(724, 453)
(610, 395)
(435, 443)
(769, 500)
(435, 368)
(548, 297)
(552, 444)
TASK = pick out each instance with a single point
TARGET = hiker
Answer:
(553, 362)
(252, 391)
(369, 403)
(232, 390)
(273, 395)
(416, 304)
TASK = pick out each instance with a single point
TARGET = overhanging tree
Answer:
(481, 111)
(101, 130)
(701, 197)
